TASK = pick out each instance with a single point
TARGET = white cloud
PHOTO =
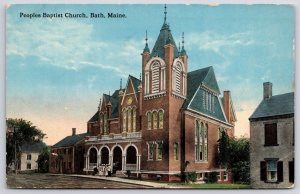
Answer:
(209, 40)
(70, 44)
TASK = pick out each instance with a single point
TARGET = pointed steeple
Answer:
(146, 49)
(183, 52)
(164, 37)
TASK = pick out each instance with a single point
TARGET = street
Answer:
(55, 182)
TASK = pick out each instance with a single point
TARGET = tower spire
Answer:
(182, 40)
(146, 49)
(165, 19)
(182, 48)
(121, 84)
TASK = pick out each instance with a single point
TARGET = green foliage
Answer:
(190, 176)
(224, 148)
(26, 133)
(241, 172)
(212, 178)
(43, 160)
(234, 154)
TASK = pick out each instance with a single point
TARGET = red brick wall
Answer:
(190, 145)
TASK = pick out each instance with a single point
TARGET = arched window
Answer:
(154, 120)
(201, 141)
(101, 123)
(149, 118)
(155, 77)
(178, 78)
(129, 120)
(124, 120)
(134, 119)
(161, 119)
(105, 124)
(205, 142)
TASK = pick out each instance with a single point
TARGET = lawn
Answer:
(213, 186)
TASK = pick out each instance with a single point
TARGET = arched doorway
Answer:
(104, 155)
(117, 158)
(93, 158)
(131, 158)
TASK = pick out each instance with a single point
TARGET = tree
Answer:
(43, 160)
(23, 132)
(234, 154)
(223, 150)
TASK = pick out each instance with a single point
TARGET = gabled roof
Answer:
(194, 80)
(70, 140)
(277, 105)
(35, 147)
(164, 37)
(194, 99)
(115, 104)
(136, 82)
(95, 117)
(197, 105)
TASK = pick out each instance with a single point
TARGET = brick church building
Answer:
(165, 123)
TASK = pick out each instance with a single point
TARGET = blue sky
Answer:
(57, 69)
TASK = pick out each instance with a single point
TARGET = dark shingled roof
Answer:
(282, 104)
(196, 78)
(197, 105)
(136, 82)
(206, 77)
(70, 140)
(95, 117)
(36, 147)
(164, 37)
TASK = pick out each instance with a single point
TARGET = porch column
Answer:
(88, 161)
(139, 163)
(111, 159)
(98, 160)
(123, 162)
(73, 160)
(85, 158)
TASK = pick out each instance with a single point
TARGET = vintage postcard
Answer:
(150, 96)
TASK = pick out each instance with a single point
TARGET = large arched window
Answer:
(178, 78)
(134, 119)
(129, 120)
(124, 120)
(201, 141)
(101, 123)
(155, 76)
(149, 119)
(161, 119)
(105, 124)
(154, 120)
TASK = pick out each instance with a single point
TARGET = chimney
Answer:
(226, 105)
(267, 90)
(73, 131)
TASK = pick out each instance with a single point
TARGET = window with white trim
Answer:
(134, 119)
(159, 150)
(149, 120)
(154, 120)
(201, 141)
(150, 150)
(161, 119)
(155, 77)
(124, 120)
(101, 123)
(129, 120)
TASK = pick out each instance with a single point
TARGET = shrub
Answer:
(212, 178)
(190, 176)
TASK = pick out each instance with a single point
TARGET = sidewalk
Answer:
(122, 180)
